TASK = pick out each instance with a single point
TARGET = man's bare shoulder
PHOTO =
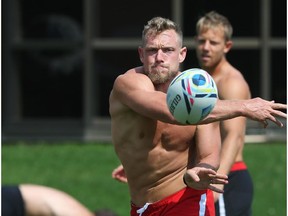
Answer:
(133, 79)
(233, 85)
(126, 87)
(134, 72)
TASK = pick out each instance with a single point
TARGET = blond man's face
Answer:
(161, 56)
(211, 47)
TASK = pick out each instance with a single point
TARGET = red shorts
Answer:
(239, 165)
(186, 202)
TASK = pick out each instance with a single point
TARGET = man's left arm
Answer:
(201, 174)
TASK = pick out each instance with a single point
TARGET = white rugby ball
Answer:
(191, 96)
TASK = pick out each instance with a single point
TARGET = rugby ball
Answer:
(191, 96)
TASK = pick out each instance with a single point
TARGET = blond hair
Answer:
(215, 20)
(159, 24)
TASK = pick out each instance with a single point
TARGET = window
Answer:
(49, 59)
(278, 75)
(60, 59)
(245, 19)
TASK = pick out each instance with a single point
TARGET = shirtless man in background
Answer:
(157, 152)
(213, 42)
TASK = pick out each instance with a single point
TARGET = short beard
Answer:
(160, 78)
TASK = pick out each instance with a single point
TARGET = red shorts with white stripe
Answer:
(186, 202)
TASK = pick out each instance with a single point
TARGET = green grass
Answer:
(84, 171)
(267, 165)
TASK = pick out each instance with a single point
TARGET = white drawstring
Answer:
(143, 209)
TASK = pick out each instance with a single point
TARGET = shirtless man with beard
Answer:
(169, 166)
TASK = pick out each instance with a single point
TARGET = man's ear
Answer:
(228, 46)
(140, 52)
(182, 54)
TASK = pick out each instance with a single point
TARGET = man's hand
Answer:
(261, 110)
(202, 178)
(119, 174)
